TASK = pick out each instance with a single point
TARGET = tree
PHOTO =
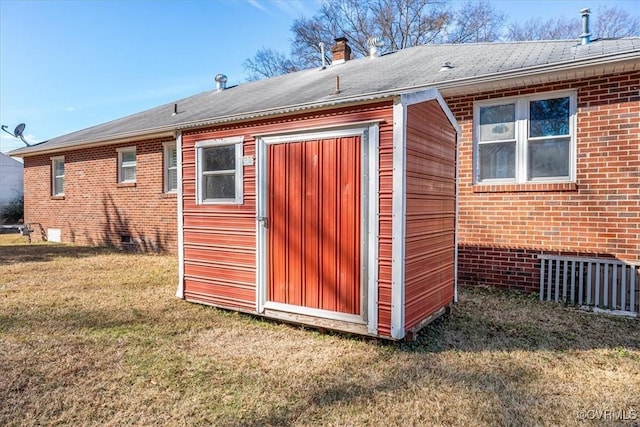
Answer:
(614, 22)
(405, 23)
(550, 29)
(607, 22)
(12, 212)
(399, 23)
(268, 63)
(475, 22)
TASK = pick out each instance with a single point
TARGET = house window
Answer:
(526, 139)
(219, 164)
(170, 168)
(57, 176)
(127, 164)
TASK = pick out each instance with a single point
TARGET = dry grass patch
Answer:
(96, 337)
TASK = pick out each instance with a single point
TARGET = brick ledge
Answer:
(514, 188)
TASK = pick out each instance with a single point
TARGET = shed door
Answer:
(314, 214)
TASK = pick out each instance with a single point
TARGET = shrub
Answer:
(13, 212)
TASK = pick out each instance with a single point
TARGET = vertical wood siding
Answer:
(220, 240)
(430, 212)
(314, 224)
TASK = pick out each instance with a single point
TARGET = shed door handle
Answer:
(263, 220)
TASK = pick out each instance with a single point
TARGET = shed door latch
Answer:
(263, 220)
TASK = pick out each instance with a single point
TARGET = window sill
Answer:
(528, 187)
(170, 195)
(126, 184)
(59, 197)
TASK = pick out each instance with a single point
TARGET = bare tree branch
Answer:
(476, 21)
(268, 63)
(406, 23)
(614, 22)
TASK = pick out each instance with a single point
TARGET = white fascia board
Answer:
(180, 290)
(145, 135)
(373, 241)
(455, 222)
(398, 220)
(261, 225)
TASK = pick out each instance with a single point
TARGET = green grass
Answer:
(96, 337)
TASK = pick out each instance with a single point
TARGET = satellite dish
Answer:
(19, 130)
(17, 133)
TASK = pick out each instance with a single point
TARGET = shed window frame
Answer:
(237, 172)
(56, 177)
(168, 168)
(127, 164)
(522, 140)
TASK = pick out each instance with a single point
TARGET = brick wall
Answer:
(502, 228)
(95, 209)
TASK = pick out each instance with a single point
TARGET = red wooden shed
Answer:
(339, 215)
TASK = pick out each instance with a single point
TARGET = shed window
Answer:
(57, 176)
(127, 164)
(526, 139)
(219, 171)
(170, 168)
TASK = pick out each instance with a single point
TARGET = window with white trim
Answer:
(219, 171)
(528, 139)
(57, 176)
(127, 164)
(170, 168)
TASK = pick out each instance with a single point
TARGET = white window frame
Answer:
(522, 137)
(121, 152)
(54, 162)
(200, 146)
(167, 147)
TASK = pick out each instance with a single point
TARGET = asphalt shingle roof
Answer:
(365, 78)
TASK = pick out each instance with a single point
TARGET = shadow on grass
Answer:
(393, 373)
(499, 320)
(45, 252)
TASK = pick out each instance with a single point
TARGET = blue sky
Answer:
(67, 65)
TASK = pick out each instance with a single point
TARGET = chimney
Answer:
(586, 35)
(341, 51)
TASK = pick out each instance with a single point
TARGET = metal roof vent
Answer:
(585, 37)
(446, 66)
(374, 43)
(324, 60)
(221, 82)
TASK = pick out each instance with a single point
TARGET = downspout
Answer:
(180, 290)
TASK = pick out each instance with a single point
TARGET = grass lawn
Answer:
(96, 337)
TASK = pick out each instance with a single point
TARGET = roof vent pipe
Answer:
(586, 35)
(324, 61)
(221, 82)
(446, 66)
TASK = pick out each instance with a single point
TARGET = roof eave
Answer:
(461, 86)
(536, 75)
(163, 132)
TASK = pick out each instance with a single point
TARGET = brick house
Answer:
(548, 156)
